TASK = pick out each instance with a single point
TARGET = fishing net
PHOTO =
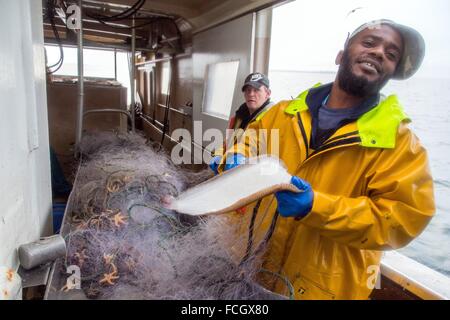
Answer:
(128, 246)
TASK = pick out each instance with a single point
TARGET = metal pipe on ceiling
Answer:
(97, 45)
(153, 61)
(63, 27)
(115, 7)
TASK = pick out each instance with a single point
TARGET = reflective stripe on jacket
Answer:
(373, 191)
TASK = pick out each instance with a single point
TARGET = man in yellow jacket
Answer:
(365, 179)
(256, 89)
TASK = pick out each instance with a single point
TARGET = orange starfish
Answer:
(10, 274)
(119, 219)
(113, 186)
(109, 278)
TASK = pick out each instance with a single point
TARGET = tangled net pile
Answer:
(128, 246)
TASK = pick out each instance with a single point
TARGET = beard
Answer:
(354, 85)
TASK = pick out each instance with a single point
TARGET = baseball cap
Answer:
(256, 80)
(414, 46)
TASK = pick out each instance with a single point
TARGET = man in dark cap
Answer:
(257, 92)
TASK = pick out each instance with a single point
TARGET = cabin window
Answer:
(165, 78)
(147, 88)
(97, 63)
(123, 72)
(219, 88)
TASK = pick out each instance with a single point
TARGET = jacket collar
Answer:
(317, 95)
(377, 128)
(243, 113)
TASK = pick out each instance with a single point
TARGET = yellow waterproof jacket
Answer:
(236, 132)
(372, 192)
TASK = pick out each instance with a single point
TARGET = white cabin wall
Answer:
(231, 41)
(25, 188)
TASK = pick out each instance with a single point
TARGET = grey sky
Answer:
(306, 35)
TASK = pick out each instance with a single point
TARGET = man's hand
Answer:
(236, 160)
(297, 205)
(214, 164)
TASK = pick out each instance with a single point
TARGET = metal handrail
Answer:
(172, 109)
(153, 61)
(108, 110)
(147, 121)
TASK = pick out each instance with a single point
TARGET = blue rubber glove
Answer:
(214, 164)
(297, 205)
(236, 160)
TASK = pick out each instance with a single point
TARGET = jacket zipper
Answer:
(349, 134)
(338, 141)
(303, 131)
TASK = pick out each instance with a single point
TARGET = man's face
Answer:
(254, 98)
(370, 60)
